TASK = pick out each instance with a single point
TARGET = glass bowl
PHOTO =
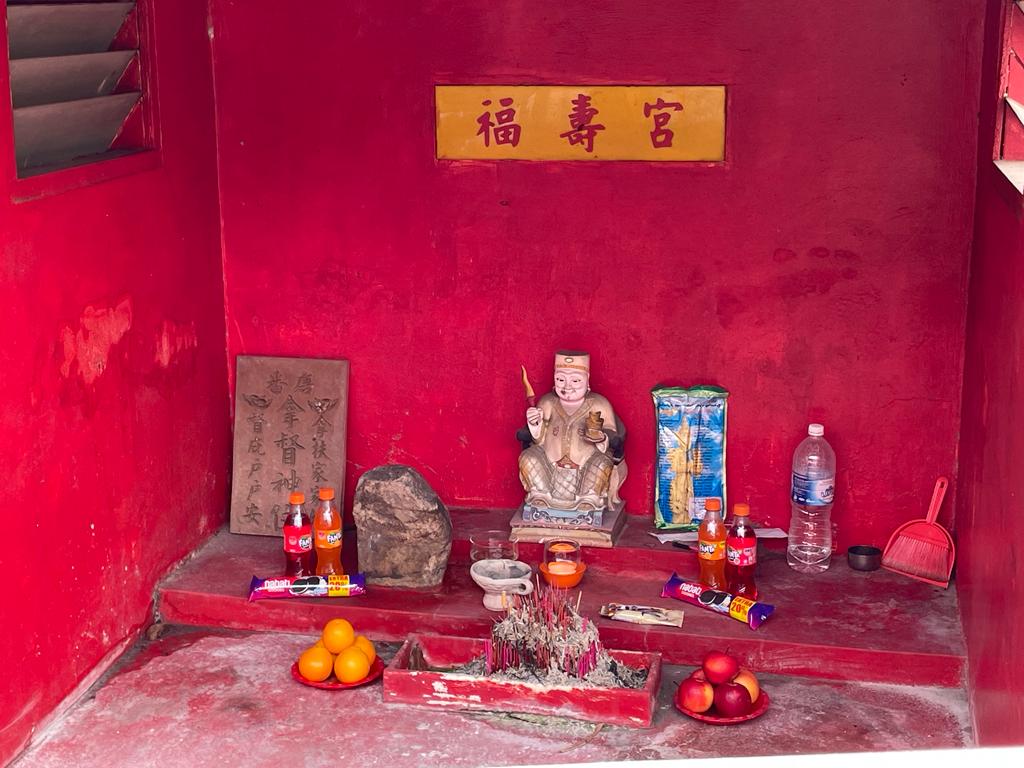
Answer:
(493, 545)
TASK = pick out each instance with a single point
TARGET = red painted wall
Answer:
(818, 274)
(990, 513)
(113, 401)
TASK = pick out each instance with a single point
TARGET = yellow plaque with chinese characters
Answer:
(581, 122)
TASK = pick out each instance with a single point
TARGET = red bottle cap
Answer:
(297, 497)
(325, 494)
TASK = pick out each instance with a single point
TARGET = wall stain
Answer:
(89, 345)
(173, 340)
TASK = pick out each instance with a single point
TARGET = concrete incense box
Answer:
(426, 671)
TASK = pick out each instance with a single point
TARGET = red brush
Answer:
(923, 549)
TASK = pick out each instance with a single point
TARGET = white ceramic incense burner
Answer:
(501, 577)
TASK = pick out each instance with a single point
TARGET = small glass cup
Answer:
(493, 545)
(562, 556)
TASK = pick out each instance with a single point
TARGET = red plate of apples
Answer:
(721, 692)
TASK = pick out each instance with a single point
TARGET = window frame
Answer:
(1011, 169)
(24, 189)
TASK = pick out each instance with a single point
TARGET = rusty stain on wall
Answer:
(99, 329)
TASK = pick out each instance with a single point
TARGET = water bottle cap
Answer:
(741, 509)
(815, 430)
(297, 497)
(325, 494)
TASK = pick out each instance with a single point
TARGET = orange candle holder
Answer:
(562, 567)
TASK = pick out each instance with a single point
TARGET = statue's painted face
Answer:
(571, 384)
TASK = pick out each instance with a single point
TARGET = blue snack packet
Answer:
(691, 454)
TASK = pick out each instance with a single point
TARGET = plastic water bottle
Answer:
(814, 484)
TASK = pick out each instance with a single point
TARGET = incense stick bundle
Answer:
(543, 632)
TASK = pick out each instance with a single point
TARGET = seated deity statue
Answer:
(572, 457)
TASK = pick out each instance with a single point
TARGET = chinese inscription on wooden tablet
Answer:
(290, 426)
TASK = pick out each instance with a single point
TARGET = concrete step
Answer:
(841, 624)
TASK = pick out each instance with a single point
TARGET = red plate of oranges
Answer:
(333, 684)
(339, 660)
(721, 692)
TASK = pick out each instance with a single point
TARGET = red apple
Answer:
(732, 700)
(698, 674)
(695, 695)
(747, 679)
(720, 667)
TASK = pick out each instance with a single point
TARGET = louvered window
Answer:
(78, 82)
(1010, 145)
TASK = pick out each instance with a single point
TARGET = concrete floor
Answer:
(198, 698)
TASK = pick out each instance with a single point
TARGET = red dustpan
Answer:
(923, 549)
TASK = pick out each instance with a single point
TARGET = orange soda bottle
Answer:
(327, 534)
(711, 546)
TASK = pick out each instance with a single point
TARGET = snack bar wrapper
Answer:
(307, 586)
(642, 614)
(691, 454)
(740, 608)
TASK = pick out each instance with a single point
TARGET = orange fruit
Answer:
(351, 666)
(366, 647)
(338, 635)
(320, 644)
(315, 664)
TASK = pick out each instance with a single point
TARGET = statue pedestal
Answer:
(562, 517)
(527, 525)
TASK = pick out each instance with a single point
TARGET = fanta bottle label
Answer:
(741, 551)
(298, 539)
(711, 550)
(328, 539)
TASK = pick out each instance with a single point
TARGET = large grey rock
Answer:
(404, 531)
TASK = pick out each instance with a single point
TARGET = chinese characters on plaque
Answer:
(579, 122)
(290, 425)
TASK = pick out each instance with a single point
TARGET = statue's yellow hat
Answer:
(579, 361)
